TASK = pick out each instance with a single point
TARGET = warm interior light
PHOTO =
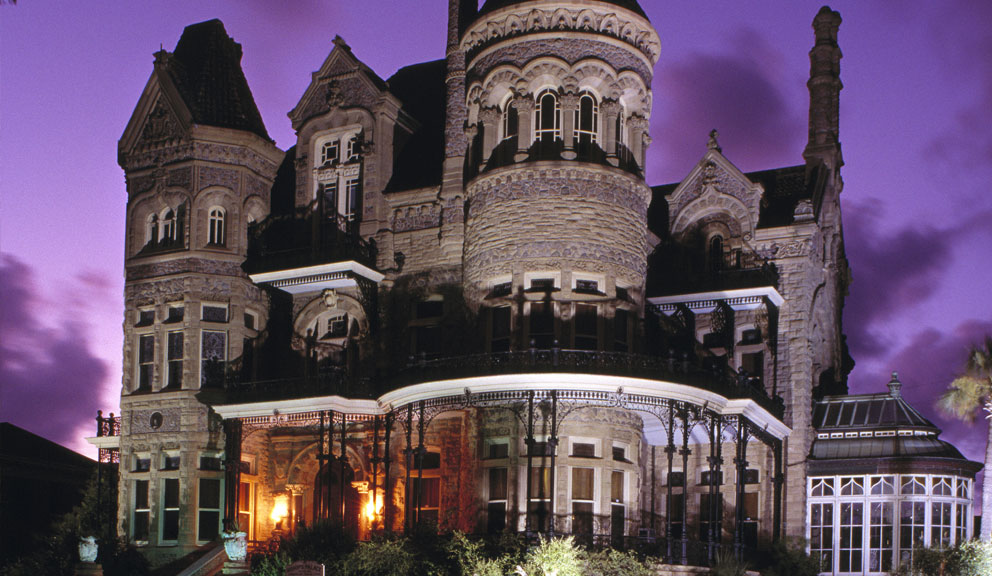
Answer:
(373, 508)
(280, 508)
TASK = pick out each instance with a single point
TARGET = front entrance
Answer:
(334, 499)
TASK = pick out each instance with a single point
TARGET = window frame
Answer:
(217, 226)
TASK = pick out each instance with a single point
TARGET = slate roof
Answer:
(420, 87)
(493, 5)
(914, 447)
(206, 69)
(784, 188)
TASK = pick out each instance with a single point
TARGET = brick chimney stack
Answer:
(824, 91)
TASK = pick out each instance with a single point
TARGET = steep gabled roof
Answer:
(420, 87)
(206, 70)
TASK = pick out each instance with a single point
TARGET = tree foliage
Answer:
(972, 389)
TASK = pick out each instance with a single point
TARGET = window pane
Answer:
(214, 313)
(171, 493)
(209, 525)
(499, 450)
(583, 449)
(582, 483)
(497, 483)
(209, 493)
(141, 494)
(616, 486)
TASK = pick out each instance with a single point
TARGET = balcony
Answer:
(735, 270)
(505, 154)
(706, 375)
(286, 243)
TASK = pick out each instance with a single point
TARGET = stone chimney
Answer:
(824, 90)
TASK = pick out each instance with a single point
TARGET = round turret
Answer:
(558, 101)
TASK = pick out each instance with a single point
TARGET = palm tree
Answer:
(965, 395)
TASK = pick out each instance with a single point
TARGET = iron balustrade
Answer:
(107, 426)
(327, 381)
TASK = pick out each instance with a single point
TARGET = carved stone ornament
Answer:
(791, 249)
(330, 297)
(164, 420)
(160, 125)
(803, 211)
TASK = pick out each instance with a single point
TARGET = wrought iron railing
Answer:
(735, 270)
(338, 241)
(330, 381)
(505, 154)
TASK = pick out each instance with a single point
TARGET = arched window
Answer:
(621, 128)
(169, 232)
(152, 232)
(547, 125)
(716, 253)
(215, 227)
(587, 120)
(510, 120)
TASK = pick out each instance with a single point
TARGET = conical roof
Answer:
(493, 5)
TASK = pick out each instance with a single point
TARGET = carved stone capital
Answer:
(523, 103)
(609, 107)
(490, 116)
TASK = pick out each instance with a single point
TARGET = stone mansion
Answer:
(456, 301)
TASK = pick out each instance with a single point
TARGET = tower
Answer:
(199, 167)
(556, 223)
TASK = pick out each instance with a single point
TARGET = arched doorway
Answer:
(327, 496)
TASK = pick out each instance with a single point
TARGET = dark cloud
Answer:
(49, 377)
(738, 95)
(926, 365)
(892, 272)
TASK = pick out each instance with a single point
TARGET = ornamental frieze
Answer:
(348, 92)
(183, 266)
(184, 151)
(576, 49)
(161, 420)
(160, 125)
(791, 249)
(223, 177)
(412, 218)
(139, 184)
(636, 33)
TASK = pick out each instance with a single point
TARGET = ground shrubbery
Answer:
(972, 558)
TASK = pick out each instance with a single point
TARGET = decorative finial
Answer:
(895, 385)
(712, 144)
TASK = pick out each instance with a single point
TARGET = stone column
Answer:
(524, 103)
(608, 112)
(569, 105)
(638, 126)
(490, 119)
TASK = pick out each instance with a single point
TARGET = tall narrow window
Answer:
(618, 511)
(586, 327)
(169, 227)
(707, 506)
(940, 524)
(496, 517)
(716, 253)
(329, 191)
(587, 120)
(851, 536)
(175, 367)
(213, 355)
(675, 513)
(428, 490)
(215, 227)
(821, 535)
(146, 361)
(170, 510)
(152, 235)
(208, 515)
(621, 331)
(246, 508)
(548, 116)
(911, 526)
(141, 513)
(750, 527)
(542, 324)
(500, 336)
(881, 537)
(349, 209)
(621, 128)
(539, 507)
(583, 493)
(426, 327)
(510, 120)
(960, 523)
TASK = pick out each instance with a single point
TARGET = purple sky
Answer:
(916, 127)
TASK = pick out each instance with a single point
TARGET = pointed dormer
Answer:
(715, 194)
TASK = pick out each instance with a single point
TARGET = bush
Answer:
(727, 564)
(972, 558)
(616, 563)
(789, 558)
(382, 558)
(559, 557)
(325, 542)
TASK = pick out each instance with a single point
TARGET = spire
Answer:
(824, 86)
(895, 386)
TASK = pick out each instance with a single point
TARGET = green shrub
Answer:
(616, 563)
(727, 564)
(381, 558)
(788, 558)
(324, 542)
(560, 557)
(270, 565)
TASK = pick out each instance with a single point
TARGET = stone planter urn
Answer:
(236, 545)
(87, 548)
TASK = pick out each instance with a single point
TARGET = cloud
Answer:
(926, 365)
(738, 95)
(49, 377)
(892, 272)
